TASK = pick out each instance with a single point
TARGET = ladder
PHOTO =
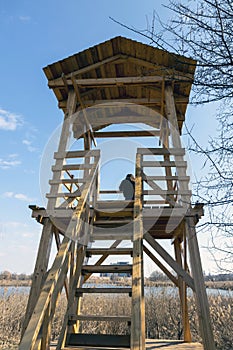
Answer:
(113, 224)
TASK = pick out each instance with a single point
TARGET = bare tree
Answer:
(202, 29)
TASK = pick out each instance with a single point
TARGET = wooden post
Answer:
(183, 294)
(200, 290)
(195, 260)
(39, 271)
(138, 302)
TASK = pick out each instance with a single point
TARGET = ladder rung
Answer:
(113, 222)
(109, 251)
(110, 290)
(99, 318)
(152, 164)
(111, 236)
(162, 151)
(99, 340)
(73, 167)
(67, 181)
(165, 178)
(106, 268)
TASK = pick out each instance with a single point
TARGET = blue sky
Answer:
(34, 34)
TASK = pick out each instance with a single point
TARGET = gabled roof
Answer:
(145, 68)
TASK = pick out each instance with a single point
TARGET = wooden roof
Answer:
(122, 70)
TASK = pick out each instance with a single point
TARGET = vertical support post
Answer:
(195, 260)
(200, 290)
(183, 294)
(39, 271)
(63, 143)
(138, 302)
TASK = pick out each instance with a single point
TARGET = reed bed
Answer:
(163, 319)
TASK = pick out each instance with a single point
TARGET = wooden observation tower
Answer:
(117, 82)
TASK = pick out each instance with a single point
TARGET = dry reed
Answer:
(163, 319)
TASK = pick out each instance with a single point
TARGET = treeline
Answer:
(157, 276)
(6, 275)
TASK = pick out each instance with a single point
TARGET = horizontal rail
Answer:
(159, 164)
(74, 167)
(162, 151)
(77, 154)
(67, 181)
(100, 318)
(166, 192)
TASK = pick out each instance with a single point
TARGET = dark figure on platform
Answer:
(127, 186)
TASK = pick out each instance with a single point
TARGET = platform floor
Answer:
(151, 344)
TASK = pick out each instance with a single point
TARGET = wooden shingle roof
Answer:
(125, 70)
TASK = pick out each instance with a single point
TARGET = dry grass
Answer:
(162, 317)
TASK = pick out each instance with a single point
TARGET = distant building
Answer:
(112, 275)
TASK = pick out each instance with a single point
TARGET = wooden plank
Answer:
(200, 290)
(32, 331)
(105, 236)
(182, 293)
(73, 167)
(138, 133)
(63, 143)
(110, 290)
(103, 82)
(59, 81)
(118, 318)
(77, 154)
(109, 251)
(39, 271)
(104, 256)
(138, 301)
(78, 180)
(164, 178)
(163, 212)
(161, 192)
(169, 260)
(161, 151)
(99, 340)
(161, 266)
(176, 164)
(106, 268)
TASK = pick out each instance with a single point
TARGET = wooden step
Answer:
(106, 236)
(123, 204)
(73, 318)
(109, 251)
(106, 268)
(99, 340)
(110, 290)
(113, 223)
(124, 232)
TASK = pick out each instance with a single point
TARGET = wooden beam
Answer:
(59, 81)
(169, 260)
(88, 125)
(104, 103)
(34, 325)
(200, 290)
(137, 133)
(161, 266)
(39, 271)
(138, 301)
(108, 82)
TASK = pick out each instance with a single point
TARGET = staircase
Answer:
(112, 224)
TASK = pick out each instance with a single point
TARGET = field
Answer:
(162, 317)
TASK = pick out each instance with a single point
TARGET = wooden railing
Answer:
(161, 184)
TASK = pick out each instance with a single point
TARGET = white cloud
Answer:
(9, 121)
(19, 196)
(29, 145)
(24, 18)
(9, 162)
